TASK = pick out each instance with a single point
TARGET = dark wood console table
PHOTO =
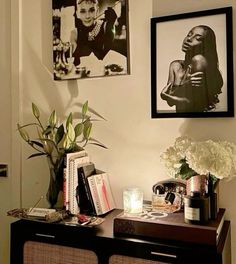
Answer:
(38, 242)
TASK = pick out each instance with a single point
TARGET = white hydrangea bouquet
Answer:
(187, 158)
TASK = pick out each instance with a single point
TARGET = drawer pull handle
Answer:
(44, 235)
(163, 254)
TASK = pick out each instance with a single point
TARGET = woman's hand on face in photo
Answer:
(196, 79)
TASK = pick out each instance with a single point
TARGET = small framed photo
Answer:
(90, 38)
(192, 64)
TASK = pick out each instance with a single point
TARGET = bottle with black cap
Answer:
(213, 208)
(196, 208)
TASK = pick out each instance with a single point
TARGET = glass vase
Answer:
(56, 167)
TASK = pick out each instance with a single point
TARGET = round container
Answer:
(133, 201)
(196, 209)
(197, 183)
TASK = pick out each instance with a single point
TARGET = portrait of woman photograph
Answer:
(90, 38)
(191, 74)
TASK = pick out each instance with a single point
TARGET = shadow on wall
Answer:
(60, 93)
(41, 70)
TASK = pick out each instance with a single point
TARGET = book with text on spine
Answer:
(84, 196)
(101, 192)
(69, 156)
(74, 164)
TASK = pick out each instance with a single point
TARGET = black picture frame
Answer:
(87, 45)
(167, 35)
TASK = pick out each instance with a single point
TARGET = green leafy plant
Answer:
(57, 139)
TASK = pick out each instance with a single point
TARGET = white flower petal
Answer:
(218, 158)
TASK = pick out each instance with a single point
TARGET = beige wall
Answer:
(5, 131)
(134, 140)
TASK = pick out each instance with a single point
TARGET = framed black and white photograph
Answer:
(192, 64)
(90, 38)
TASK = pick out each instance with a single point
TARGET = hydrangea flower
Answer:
(187, 158)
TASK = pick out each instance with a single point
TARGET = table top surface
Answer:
(106, 230)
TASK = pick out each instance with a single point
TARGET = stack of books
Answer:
(86, 189)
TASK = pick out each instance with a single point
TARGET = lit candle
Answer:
(133, 201)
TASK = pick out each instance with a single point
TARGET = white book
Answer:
(103, 194)
(94, 193)
(81, 153)
(66, 174)
(74, 164)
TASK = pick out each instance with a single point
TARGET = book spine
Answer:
(65, 190)
(84, 182)
(74, 163)
(72, 189)
(104, 192)
(94, 192)
(101, 192)
(69, 165)
(109, 196)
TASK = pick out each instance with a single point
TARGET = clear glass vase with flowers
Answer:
(54, 140)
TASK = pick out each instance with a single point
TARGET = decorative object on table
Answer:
(197, 183)
(90, 221)
(200, 83)
(214, 159)
(133, 201)
(168, 195)
(94, 47)
(196, 202)
(196, 208)
(40, 214)
(55, 140)
(55, 216)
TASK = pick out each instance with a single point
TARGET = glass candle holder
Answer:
(133, 201)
